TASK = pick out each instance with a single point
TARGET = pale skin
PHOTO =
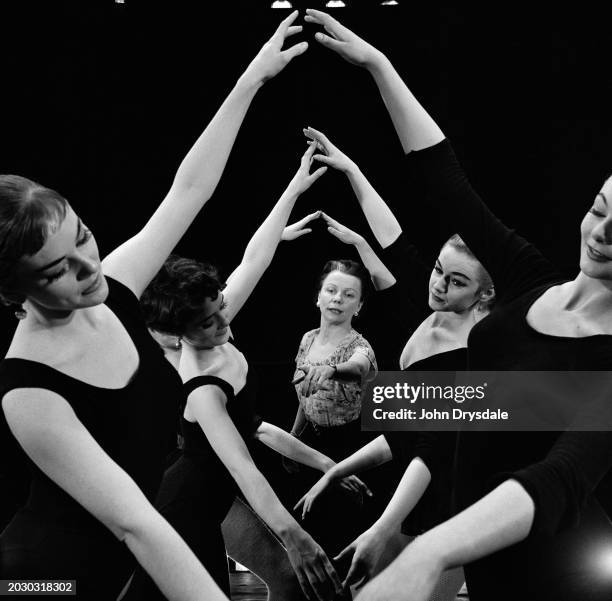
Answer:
(206, 350)
(338, 300)
(578, 308)
(455, 293)
(70, 329)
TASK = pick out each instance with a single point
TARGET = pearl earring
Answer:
(21, 313)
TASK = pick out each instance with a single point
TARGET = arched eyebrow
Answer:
(603, 197)
(54, 263)
(455, 272)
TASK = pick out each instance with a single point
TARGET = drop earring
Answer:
(21, 313)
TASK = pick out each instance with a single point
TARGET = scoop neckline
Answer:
(133, 377)
(555, 336)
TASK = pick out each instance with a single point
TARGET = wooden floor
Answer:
(247, 587)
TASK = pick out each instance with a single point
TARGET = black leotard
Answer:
(52, 536)
(562, 472)
(197, 490)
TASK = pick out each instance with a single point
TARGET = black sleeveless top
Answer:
(53, 536)
(241, 409)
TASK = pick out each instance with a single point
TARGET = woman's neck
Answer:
(332, 332)
(453, 321)
(588, 296)
(41, 318)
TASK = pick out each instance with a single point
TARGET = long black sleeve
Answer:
(514, 264)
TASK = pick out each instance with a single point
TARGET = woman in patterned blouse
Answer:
(332, 365)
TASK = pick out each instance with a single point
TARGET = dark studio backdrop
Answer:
(101, 101)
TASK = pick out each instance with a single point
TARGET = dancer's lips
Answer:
(436, 297)
(334, 310)
(94, 285)
(222, 332)
(595, 255)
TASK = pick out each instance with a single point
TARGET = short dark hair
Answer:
(176, 295)
(351, 268)
(28, 214)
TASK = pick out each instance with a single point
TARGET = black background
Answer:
(101, 101)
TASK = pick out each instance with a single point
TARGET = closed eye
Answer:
(597, 212)
(57, 275)
(85, 237)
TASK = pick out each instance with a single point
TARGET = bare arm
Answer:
(498, 520)
(136, 261)
(262, 246)
(58, 443)
(299, 423)
(381, 220)
(413, 125)
(408, 493)
(314, 571)
(356, 367)
(289, 446)
(366, 550)
(376, 452)
(381, 277)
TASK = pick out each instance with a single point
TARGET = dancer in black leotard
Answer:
(84, 391)
(460, 294)
(185, 302)
(521, 493)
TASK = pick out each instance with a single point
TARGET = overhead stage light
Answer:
(335, 4)
(282, 4)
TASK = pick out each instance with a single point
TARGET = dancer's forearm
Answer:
(289, 446)
(382, 221)
(414, 126)
(381, 277)
(409, 491)
(374, 453)
(498, 520)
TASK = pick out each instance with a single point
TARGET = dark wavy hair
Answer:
(351, 268)
(29, 212)
(176, 295)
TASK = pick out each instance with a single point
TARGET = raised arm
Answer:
(58, 443)
(381, 277)
(514, 264)
(136, 261)
(262, 246)
(381, 220)
(413, 125)
(399, 257)
(315, 573)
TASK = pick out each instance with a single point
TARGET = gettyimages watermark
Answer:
(488, 401)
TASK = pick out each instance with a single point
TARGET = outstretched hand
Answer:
(272, 59)
(343, 233)
(297, 229)
(332, 155)
(342, 40)
(318, 377)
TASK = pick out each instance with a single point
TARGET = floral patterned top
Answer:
(340, 404)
